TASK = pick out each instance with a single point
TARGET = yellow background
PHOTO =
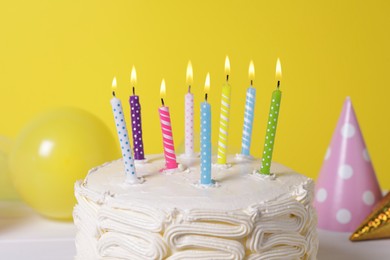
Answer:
(57, 53)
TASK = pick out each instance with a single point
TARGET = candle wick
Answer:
(133, 90)
(189, 88)
(278, 84)
(227, 77)
(162, 102)
(205, 97)
(251, 82)
(113, 93)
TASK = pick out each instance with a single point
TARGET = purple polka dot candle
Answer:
(120, 123)
(136, 124)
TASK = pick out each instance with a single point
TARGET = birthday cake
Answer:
(243, 215)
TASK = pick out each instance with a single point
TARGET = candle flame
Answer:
(207, 84)
(251, 71)
(162, 89)
(227, 65)
(189, 73)
(278, 74)
(113, 85)
(133, 77)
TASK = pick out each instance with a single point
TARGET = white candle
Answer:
(189, 115)
(120, 123)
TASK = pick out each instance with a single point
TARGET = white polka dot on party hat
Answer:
(327, 155)
(368, 198)
(348, 130)
(345, 171)
(321, 195)
(343, 216)
(366, 155)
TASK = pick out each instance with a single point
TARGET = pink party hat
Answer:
(347, 188)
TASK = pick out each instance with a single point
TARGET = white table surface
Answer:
(26, 235)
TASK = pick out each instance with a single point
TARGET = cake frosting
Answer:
(171, 216)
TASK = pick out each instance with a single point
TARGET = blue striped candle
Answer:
(249, 114)
(205, 138)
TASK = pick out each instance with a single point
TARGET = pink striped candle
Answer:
(166, 129)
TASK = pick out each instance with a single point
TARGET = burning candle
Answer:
(224, 117)
(249, 113)
(189, 115)
(272, 123)
(166, 129)
(205, 137)
(136, 124)
(120, 123)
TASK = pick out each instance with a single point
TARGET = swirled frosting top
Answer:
(236, 187)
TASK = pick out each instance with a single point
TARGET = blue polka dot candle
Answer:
(205, 137)
(136, 123)
(249, 113)
(123, 136)
(271, 125)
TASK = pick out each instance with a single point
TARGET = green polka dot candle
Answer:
(271, 125)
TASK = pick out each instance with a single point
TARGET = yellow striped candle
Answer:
(224, 117)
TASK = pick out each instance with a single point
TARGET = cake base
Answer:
(243, 217)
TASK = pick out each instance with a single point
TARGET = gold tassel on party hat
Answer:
(377, 224)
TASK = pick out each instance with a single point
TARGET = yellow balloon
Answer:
(52, 152)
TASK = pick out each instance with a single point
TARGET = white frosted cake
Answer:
(170, 216)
